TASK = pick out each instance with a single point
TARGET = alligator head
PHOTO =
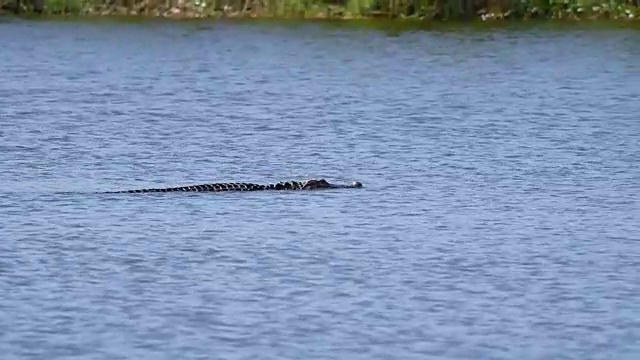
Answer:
(324, 184)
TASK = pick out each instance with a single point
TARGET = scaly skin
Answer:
(218, 187)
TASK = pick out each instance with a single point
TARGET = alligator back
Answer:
(219, 187)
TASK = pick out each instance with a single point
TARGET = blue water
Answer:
(499, 217)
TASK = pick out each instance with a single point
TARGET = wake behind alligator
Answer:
(312, 184)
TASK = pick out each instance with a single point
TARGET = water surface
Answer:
(498, 218)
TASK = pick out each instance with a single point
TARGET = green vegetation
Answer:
(484, 10)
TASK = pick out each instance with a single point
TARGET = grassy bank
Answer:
(482, 10)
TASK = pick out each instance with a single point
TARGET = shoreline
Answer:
(198, 9)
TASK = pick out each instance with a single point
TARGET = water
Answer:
(498, 218)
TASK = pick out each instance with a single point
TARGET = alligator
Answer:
(312, 184)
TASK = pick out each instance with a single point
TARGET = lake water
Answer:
(499, 217)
